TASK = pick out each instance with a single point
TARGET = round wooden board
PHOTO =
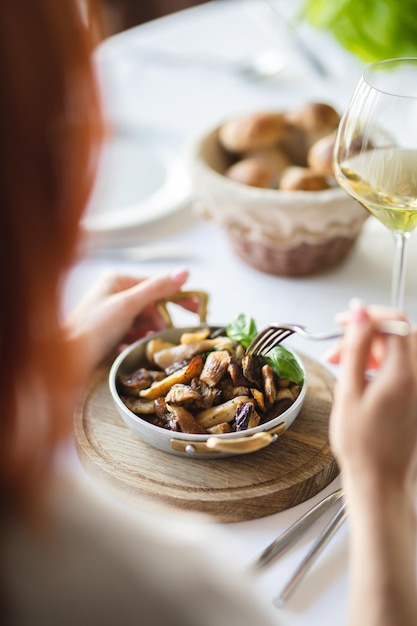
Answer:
(230, 489)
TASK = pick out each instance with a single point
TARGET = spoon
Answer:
(262, 66)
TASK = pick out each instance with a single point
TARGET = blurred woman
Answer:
(67, 557)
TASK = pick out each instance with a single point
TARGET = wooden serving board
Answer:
(237, 488)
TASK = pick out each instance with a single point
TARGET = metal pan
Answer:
(192, 445)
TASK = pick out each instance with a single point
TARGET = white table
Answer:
(179, 100)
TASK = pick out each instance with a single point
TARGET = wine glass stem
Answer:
(399, 266)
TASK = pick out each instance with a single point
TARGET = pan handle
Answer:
(241, 445)
(202, 305)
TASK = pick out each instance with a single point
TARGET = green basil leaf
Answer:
(242, 329)
(285, 365)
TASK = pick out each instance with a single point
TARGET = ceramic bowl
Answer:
(289, 233)
(190, 445)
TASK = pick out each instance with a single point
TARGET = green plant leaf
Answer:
(371, 30)
(285, 365)
(242, 329)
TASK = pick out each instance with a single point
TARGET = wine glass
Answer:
(375, 156)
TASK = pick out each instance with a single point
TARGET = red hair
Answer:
(50, 135)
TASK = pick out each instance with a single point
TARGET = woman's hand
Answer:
(373, 426)
(377, 353)
(119, 310)
(373, 434)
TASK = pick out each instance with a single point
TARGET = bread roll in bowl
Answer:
(251, 171)
(285, 232)
(303, 179)
(253, 131)
(320, 155)
(317, 118)
(309, 123)
(275, 158)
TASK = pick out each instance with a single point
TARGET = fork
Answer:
(276, 333)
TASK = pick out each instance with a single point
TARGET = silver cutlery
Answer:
(143, 253)
(298, 528)
(317, 548)
(262, 66)
(268, 15)
(276, 333)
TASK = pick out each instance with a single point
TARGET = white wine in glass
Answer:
(375, 154)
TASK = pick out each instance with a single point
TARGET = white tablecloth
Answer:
(179, 99)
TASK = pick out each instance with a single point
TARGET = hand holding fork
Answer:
(263, 343)
(274, 334)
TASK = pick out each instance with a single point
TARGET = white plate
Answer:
(139, 180)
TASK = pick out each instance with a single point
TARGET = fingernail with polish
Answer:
(357, 308)
(179, 276)
(355, 304)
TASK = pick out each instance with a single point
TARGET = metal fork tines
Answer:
(276, 333)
